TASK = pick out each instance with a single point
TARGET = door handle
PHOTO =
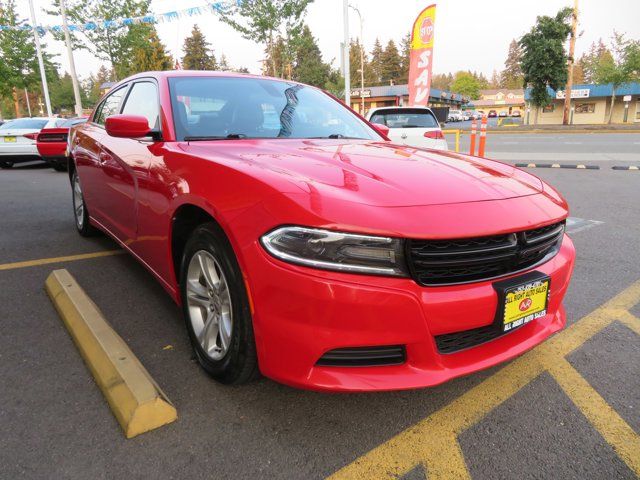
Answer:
(104, 157)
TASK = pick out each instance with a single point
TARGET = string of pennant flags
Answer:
(212, 7)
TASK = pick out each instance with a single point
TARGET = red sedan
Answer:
(52, 143)
(304, 245)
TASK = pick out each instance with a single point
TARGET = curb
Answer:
(630, 167)
(135, 398)
(558, 165)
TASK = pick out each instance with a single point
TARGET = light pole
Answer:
(572, 47)
(45, 87)
(347, 70)
(72, 64)
(361, 61)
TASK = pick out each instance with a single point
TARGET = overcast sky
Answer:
(470, 34)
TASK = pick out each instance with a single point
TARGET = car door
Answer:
(125, 163)
(86, 145)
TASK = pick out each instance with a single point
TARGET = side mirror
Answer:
(127, 126)
(381, 129)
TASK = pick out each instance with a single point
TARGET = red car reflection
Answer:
(304, 245)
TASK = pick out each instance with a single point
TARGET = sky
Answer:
(469, 34)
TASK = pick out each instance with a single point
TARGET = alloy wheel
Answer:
(209, 304)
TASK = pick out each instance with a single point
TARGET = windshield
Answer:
(25, 123)
(405, 118)
(226, 107)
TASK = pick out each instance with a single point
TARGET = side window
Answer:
(110, 106)
(143, 100)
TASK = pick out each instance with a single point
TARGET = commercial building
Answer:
(590, 104)
(398, 95)
(500, 100)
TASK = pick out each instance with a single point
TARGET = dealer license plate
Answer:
(10, 139)
(525, 302)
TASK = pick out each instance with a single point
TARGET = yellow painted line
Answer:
(600, 414)
(631, 321)
(433, 443)
(68, 258)
(135, 398)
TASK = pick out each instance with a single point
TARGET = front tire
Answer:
(80, 212)
(216, 307)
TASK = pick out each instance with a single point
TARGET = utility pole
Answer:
(572, 48)
(347, 69)
(72, 63)
(45, 87)
(361, 61)
(26, 96)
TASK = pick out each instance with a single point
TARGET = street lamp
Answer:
(355, 9)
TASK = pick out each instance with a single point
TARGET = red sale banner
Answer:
(421, 56)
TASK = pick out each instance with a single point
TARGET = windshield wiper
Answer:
(231, 136)
(339, 135)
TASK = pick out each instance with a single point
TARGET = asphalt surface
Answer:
(56, 424)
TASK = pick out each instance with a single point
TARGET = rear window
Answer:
(25, 123)
(406, 118)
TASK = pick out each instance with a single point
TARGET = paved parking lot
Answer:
(568, 409)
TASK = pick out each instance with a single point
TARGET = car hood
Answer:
(373, 173)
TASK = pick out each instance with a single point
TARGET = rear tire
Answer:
(6, 165)
(216, 307)
(59, 167)
(80, 212)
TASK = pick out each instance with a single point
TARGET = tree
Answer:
(355, 50)
(544, 61)
(115, 43)
(405, 52)
(376, 61)
(391, 64)
(466, 84)
(442, 81)
(197, 52)
(18, 60)
(623, 66)
(495, 80)
(93, 85)
(309, 67)
(224, 64)
(588, 62)
(151, 55)
(511, 76)
(263, 21)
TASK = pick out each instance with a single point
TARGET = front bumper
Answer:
(301, 313)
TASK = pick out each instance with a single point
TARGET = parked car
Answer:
(316, 251)
(503, 113)
(52, 143)
(466, 115)
(516, 113)
(18, 139)
(492, 114)
(415, 126)
(455, 116)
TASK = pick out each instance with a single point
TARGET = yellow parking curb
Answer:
(135, 398)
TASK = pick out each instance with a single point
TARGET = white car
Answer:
(455, 116)
(18, 139)
(414, 126)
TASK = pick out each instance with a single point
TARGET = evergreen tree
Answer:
(376, 61)
(511, 76)
(495, 80)
(354, 66)
(544, 61)
(197, 52)
(94, 83)
(441, 81)
(223, 65)
(309, 67)
(151, 55)
(598, 54)
(405, 51)
(391, 64)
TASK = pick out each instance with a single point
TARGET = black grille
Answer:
(363, 356)
(442, 262)
(453, 342)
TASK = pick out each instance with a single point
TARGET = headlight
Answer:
(330, 250)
